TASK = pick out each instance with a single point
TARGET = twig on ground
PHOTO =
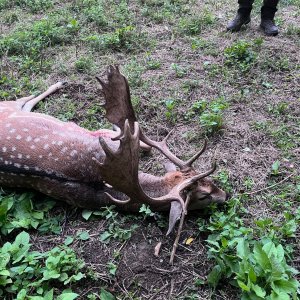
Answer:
(268, 187)
(175, 245)
(171, 289)
(155, 294)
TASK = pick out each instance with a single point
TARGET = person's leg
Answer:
(268, 11)
(243, 15)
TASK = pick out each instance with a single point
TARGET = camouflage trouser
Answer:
(268, 9)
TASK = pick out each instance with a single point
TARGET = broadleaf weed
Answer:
(257, 265)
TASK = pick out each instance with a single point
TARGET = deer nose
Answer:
(228, 196)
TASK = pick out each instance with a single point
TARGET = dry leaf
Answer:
(189, 241)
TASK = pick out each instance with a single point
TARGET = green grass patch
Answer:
(37, 37)
(195, 24)
(126, 38)
(242, 54)
(31, 5)
(209, 113)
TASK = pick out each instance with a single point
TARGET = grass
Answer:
(185, 72)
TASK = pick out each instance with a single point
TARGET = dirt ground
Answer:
(260, 125)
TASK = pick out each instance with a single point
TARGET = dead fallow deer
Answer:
(67, 162)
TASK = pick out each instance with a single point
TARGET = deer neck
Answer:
(156, 186)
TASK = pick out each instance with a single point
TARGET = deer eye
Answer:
(205, 193)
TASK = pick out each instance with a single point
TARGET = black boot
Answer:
(269, 27)
(242, 18)
(267, 17)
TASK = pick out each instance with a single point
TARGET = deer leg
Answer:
(30, 103)
(23, 100)
(19, 103)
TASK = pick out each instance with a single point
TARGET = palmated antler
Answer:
(120, 170)
(116, 93)
(119, 108)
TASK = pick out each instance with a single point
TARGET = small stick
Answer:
(155, 294)
(175, 245)
(268, 187)
(171, 289)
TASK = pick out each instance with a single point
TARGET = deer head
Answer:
(120, 168)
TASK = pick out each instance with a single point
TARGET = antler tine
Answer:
(196, 156)
(117, 201)
(163, 148)
(167, 136)
(102, 83)
(190, 181)
(105, 148)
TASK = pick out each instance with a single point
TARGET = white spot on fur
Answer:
(73, 153)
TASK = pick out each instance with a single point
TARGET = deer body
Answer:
(55, 158)
(66, 162)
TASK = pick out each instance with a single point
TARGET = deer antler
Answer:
(119, 111)
(120, 169)
(117, 98)
(119, 108)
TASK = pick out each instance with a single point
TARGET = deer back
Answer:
(41, 145)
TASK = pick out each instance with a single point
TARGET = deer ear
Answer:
(175, 214)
